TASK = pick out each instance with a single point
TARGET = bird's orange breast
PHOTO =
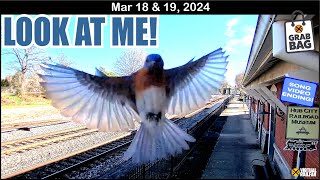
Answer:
(143, 80)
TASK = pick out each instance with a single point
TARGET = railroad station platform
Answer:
(236, 148)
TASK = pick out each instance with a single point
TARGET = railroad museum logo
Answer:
(304, 172)
(299, 35)
(300, 145)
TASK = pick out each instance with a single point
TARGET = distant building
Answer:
(228, 90)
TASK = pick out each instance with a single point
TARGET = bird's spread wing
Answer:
(190, 86)
(106, 103)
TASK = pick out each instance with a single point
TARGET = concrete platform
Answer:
(237, 146)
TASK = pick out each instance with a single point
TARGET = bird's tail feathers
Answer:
(157, 140)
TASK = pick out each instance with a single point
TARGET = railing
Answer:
(164, 169)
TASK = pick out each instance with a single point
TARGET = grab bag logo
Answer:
(299, 35)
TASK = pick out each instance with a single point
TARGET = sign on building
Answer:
(301, 145)
(302, 123)
(298, 91)
(299, 35)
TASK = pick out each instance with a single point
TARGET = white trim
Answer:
(264, 130)
(284, 168)
(262, 28)
(261, 98)
(274, 99)
(265, 96)
(253, 119)
(304, 74)
(264, 135)
(269, 130)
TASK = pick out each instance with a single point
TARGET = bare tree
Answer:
(225, 84)
(33, 82)
(238, 80)
(64, 60)
(130, 61)
(25, 61)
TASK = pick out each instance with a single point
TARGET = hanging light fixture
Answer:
(280, 113)
(263, 112)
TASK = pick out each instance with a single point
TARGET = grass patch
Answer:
(13, 101)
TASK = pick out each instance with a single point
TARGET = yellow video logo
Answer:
(295, 172)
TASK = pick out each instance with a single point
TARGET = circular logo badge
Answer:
(295, 172)
(298, 28)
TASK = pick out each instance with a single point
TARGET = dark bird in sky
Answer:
(146, 96)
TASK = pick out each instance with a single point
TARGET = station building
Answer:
(268, 64)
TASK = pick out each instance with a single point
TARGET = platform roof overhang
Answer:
(263, 69)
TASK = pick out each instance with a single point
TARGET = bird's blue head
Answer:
(154, 62)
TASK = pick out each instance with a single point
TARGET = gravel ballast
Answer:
(19, 161)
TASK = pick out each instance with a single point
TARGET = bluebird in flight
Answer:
(114, 103)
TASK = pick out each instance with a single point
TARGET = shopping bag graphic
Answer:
(299, 34)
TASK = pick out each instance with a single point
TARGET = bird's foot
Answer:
(153, 117)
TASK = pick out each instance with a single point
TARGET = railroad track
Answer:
(63, 165)
(44, 139)
(59, 168)
(7, 127)
(90, 157)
